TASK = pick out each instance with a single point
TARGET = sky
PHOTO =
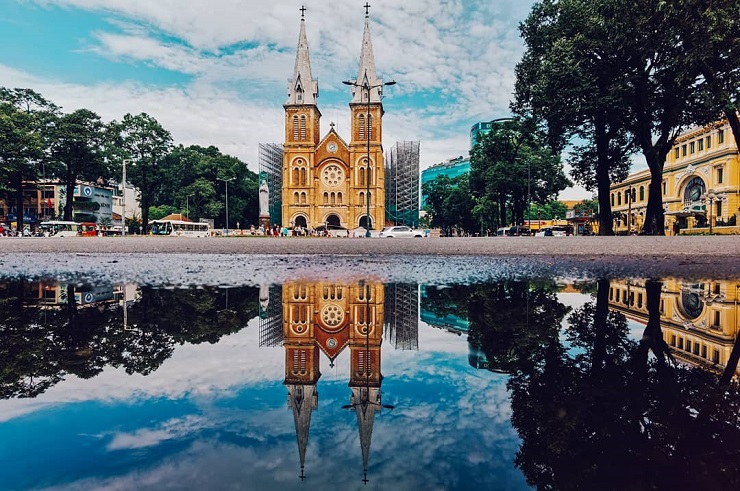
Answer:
(216, 72)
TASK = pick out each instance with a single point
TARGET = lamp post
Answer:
(187, 205)
(123, 199)
(709, 197)
(227, 201)
(367, 87)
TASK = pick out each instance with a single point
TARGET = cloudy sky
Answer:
(215, 72)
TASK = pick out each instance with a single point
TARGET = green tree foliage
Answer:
(570, 82)
(24, 120)
(192, 183)
(143, 141)
(450, 204)
(76, 141)
(511, 168)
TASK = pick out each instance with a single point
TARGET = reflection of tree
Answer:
(510, 321)
(41, 345)
(606, 415)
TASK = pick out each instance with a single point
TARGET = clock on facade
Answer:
(332, 147)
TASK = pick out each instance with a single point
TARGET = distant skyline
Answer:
(216, 72)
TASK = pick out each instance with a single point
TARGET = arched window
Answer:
(303, 176)
(339, 198)
(362, 198)
(619, 198)
(362, 126)
(369, 126)
(303, 127)
(295, 198)
(333, 198)
(612, 199)
(642, 193)
(326, 198)
(303, 198)
(370, 197)
(295, 175)
(369, 175)
(362, 176)
(295, 128)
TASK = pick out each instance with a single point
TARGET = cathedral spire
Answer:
(367, 76)
(302, 89)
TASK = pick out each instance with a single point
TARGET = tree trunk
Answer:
(603, 182)
(69, 205)
(731, 115)
(18, 185)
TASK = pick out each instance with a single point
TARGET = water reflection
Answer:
(613, 384)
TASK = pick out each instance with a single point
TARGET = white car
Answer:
(400, 231)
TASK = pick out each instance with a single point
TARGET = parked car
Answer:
(400, 231)
(551, 232)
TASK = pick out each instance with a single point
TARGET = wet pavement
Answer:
(255, 261)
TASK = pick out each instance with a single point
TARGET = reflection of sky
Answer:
(216, 417)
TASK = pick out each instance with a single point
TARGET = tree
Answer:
(143, 141)
(24, 117)
(511, 168)
(449, 204)
(192, 182)
(77, 141)
(569, 82)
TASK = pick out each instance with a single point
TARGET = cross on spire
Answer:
(303, 11)
(367, 9)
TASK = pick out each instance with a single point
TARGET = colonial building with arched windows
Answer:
(328, 181)
(701, 186)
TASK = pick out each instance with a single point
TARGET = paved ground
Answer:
(250, 260)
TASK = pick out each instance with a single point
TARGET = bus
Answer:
(88, 229)
(60, 228)
(179, 228)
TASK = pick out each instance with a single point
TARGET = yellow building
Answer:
(327, 181)
(701, 186)
(699, 321)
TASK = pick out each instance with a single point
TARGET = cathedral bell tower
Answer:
(302, 127)
(366, 147)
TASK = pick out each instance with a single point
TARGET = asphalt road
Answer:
(260, 260)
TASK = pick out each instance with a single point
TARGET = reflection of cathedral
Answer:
(329, 318)
(699, 321)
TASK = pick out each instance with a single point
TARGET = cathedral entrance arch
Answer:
(300, 221)
(333, 221)
(363, 222)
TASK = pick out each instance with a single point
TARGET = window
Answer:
(295, 175)
(362, 198)
(719, 209)
(721, 136)
(692, 148)
(326, 198)
(303, 127)
(716, 319)
(295, 198)
(673, 340)
(680, 343)
(639, 300)
(701, 144)
(362, 175)
(295, 128)
(663, 187)
(303, 198)
(676, 153)
(369, 126)
(642, 193)
(683, 150)
(611, 294)
(696, 349)
(709, 142)
(715, 356)
(612, 199)
(619, 198)
(362, 126)
(688, 345)
(339, 198)
(704, 351)
(333, 198)
(720, 175)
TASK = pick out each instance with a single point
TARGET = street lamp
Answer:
(187, 205)
(709, 197)
(365, 86)
(123, 199)
(227, 201)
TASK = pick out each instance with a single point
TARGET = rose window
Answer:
(332, 175)
(332, 315)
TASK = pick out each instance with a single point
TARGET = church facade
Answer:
(329, 182)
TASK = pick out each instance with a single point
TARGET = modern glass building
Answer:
(451, 168)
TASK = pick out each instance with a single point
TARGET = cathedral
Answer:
(329, 183)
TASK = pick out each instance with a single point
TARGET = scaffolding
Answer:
(271, 170)
(271, 316)
(401, 322)
(402, 184)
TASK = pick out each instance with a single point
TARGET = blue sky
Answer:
(216, 72)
